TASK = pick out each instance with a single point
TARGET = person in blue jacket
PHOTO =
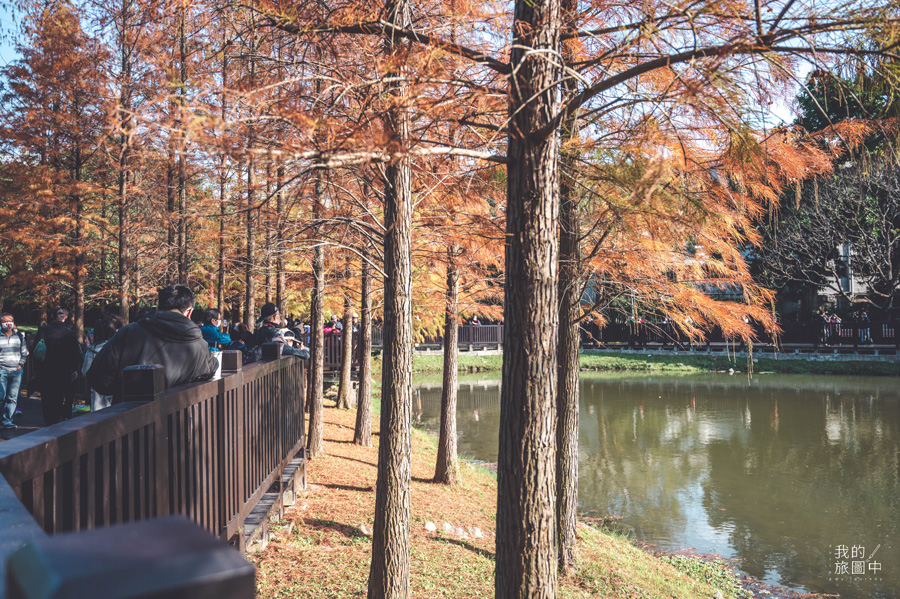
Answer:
(210, 330)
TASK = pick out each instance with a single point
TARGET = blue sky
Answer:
(7, 29)
(8, 25)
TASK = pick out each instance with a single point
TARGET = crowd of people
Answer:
(830, 328)
(166, 336)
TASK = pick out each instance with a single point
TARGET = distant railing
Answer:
(811, 335)
(487, 336)
(334, 349)
(814, 335)
(482, 335)
(207, 450)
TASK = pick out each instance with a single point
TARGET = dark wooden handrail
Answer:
(206, 450)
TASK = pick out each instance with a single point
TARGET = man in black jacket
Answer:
(166, 336)
(59, 369)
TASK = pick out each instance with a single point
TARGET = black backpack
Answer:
(251, 354)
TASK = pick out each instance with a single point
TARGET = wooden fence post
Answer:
(148, 383)
(226, 437)
(143, 383)
(232, 361)
(271, 351)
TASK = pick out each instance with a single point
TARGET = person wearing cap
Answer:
(354, 323)
(268, 332)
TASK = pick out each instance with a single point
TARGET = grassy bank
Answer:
(321, 548)
(619, 362)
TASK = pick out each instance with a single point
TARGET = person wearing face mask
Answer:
(12, 359)
(216, 339)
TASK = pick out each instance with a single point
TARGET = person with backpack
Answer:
(13, 352)
(103, 331)
(268, 331)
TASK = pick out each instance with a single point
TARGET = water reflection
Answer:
(779, 472)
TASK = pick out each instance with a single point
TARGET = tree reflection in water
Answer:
(775, 472)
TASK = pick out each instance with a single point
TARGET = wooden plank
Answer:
(106, 492)
(56, 500)
(37, 499)
(205, 471)
(17, 526)
(188, 449)
(177, 459)
(222, 474)
(90, 490)
(212, 482)
(78, 473)
(116, 482)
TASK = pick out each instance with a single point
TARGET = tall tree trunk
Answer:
(171, 258)
(125, 122)
(316, 386)
(344, 386)
(569, 337)
(79, 270)
(279, 241)
(570, 287)
(250, 280)
(136, 278)
(123, 278)
(447, 469)
(220, 278)
(223, 180)
(362, 434)
(526, 562)
(389, 572)
(267, 227)
(182, 152)
(103, 265)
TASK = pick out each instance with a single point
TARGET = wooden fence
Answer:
(814, 335)
(209, 451)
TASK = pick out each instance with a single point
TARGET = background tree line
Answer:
(842, 229)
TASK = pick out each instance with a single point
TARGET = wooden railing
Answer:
(794, 334)
(486, 335)
(207, 450)
(470, 337)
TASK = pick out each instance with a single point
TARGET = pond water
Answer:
(796, 477)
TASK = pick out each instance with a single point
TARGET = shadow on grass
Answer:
(465, 545)
(338, 441)
(347, 487)
(341, 457)
(345, 529)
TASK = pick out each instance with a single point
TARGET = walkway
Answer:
(31, 418)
